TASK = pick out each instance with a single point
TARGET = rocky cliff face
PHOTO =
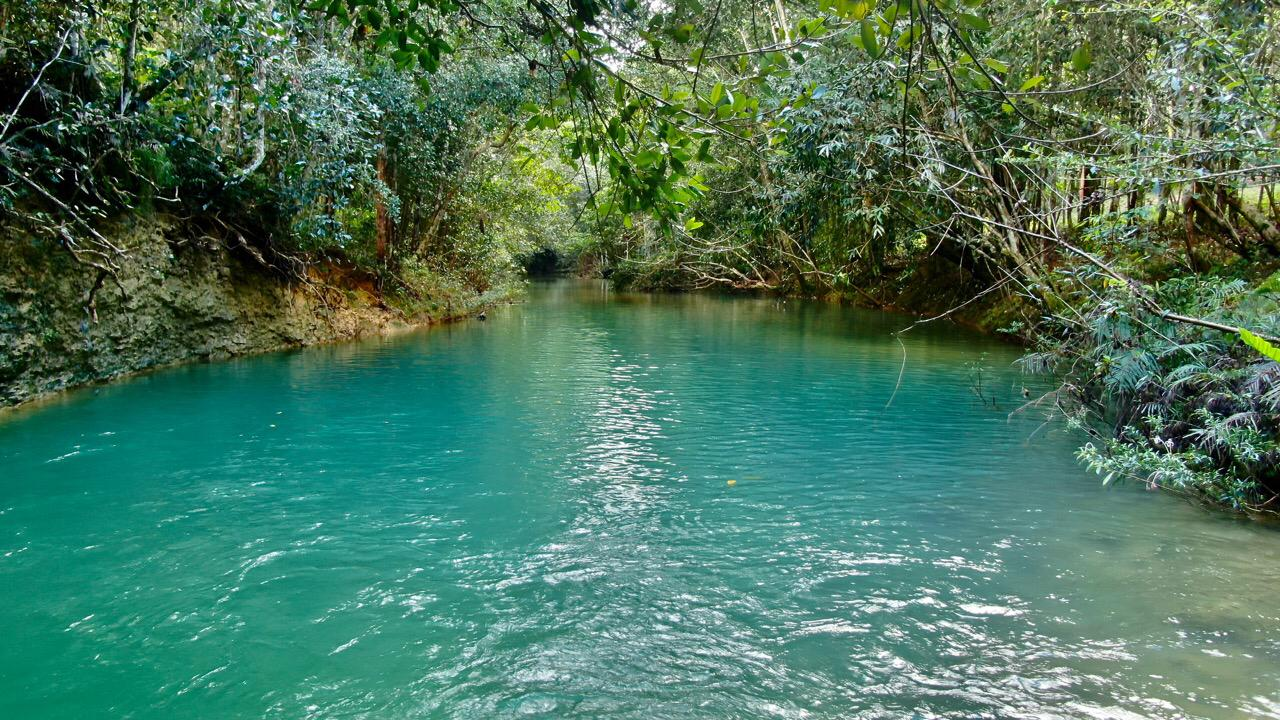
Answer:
(174, 299)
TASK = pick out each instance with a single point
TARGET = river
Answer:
(596, 505)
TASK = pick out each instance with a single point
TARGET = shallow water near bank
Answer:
(532, 517)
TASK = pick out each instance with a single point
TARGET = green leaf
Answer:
(977, 22)
(403, 58)
(1031, 83)
(910, 35)
(855, 10)
(869, 41)
(1262, 346)
(648, 158)
(692, 224)
(997, 65)
(1082, 58)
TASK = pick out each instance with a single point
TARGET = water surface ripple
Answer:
(531, 517)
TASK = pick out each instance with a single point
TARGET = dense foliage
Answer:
(273, 131)
(1102, 171)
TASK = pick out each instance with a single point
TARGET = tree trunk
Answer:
(1189, 224)
(385, 228)
(127, 57)
(1089, 195)
(1266, 229)
(1206, 212)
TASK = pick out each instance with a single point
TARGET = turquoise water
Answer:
(531, 517)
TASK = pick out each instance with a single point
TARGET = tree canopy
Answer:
(1100, 174)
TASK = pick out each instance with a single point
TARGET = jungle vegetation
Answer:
(1100, 174)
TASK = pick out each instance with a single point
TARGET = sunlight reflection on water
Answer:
(533, 517)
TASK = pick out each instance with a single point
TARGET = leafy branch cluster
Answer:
(271, 130)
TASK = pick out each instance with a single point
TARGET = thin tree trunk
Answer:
(1089, 186)
(384, 228)
(782, 20)
(127, 57)
(1189, 225)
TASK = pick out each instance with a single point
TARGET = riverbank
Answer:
(174, 299)
(936, 290)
